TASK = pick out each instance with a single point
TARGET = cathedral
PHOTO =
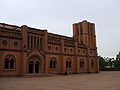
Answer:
(26, 50)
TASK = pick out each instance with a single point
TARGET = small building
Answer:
(25, 50)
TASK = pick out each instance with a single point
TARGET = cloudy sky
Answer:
(57, 16)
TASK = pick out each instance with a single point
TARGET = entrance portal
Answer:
(35, 65)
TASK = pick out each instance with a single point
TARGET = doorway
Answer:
(37, 65)
(34, 65)
(31, 65)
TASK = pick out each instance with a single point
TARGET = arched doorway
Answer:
(35, 65)
(31, 65)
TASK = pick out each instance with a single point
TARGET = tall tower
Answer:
(84, 33)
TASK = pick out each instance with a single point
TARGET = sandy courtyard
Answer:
(101, 81)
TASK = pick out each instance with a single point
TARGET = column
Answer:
(45, 63)
(33, 67)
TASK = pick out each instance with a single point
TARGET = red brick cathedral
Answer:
(25, 50)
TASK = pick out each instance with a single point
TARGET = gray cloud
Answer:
(58, 15)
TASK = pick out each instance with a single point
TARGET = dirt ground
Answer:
(101, 81)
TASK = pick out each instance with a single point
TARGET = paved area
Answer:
(101, 81)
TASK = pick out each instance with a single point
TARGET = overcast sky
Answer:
(57, 16)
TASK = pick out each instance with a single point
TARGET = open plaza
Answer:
(99, 81)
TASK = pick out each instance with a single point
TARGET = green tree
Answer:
(117, 62)
(101, 63)
(110, 63)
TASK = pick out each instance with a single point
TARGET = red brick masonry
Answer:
(25, 50)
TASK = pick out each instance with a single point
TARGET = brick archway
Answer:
(38, 62)
(35, 64)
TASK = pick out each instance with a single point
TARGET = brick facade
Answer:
(25, 50)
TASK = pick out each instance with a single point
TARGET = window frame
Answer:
(53, 63)
(68, 64)
(10, 58)
(82, 64)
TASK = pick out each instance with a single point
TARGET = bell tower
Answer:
(84, 33)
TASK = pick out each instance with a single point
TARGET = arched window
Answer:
(68, 63)
(92, 63)
(53, 62)
(12, 64)
(9, 62)
(81, 63)
(6, 63)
